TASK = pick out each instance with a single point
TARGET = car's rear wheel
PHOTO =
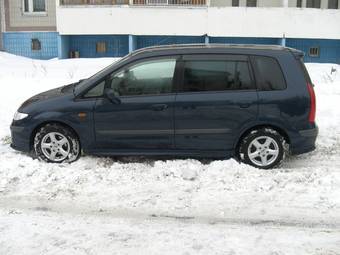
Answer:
(263, 148)
(56, 143)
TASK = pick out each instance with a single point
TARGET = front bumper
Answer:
(305, 141)
(20, 138)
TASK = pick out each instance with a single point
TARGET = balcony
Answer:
(136, 2)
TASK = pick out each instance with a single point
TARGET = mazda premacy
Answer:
(254, 103)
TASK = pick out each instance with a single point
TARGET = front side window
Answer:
(147, 78)
(219, 75)
(31, 6)
(268, 74)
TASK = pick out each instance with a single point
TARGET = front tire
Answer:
(55, 143)
(262, 148)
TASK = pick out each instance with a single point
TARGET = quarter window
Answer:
(268, 74)
(96, 91)
(152, 77)
(216, 76)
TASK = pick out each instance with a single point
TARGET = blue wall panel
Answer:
(245, 40)
(19, 43)
(116, 45)
(150, 40)
(329, 49)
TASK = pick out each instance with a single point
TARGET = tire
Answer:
(263, 148)
(55, 143)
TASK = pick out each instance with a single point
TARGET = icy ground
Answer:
(153, 206)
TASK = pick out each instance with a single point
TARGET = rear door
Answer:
(216, 97)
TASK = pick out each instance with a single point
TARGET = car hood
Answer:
(53, 93)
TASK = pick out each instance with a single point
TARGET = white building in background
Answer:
(102, 28)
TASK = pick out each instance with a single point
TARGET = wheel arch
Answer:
(247, 130)
(61, 123)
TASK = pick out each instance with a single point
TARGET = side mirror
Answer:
(110, 94)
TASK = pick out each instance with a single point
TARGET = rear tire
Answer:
(262, 148)
(55, 143)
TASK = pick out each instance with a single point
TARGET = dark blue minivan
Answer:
(254, 103)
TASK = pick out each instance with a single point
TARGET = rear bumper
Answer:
(305, 141)
(20, 138)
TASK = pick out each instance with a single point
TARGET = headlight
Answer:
(20, 116)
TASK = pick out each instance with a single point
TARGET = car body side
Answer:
(284, 110)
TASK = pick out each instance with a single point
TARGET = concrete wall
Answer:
(213, 21)
(17, 20)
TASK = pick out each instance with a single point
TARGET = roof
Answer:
(211, 46)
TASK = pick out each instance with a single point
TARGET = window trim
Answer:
(215, 57)
(30, 11)
(127, 65)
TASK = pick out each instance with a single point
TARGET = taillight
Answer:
(311, 116)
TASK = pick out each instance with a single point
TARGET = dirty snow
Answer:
(165, 206)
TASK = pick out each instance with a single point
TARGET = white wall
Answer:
(226, 21)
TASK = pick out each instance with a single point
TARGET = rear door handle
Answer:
(159, 107)
(245, 105)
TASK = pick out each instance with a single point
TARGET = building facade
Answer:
(112, 28)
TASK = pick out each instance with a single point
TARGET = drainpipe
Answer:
(132, 43)
(283, 40)
(206, 39)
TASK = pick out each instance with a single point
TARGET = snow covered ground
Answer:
(152, 206)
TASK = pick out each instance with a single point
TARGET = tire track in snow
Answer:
(21, 205)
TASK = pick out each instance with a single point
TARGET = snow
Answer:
(101, 205)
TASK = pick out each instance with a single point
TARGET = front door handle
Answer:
(159, 107)
(244, 105)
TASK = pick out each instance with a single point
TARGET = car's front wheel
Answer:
(263, 148)
(56, 143)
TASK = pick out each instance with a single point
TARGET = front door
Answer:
(216, 98)
(143, 116)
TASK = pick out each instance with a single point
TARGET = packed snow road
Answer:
(165, 206)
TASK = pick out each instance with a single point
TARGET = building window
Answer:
(313, 3)
(32, 6)
(251, 3)
(35, 44)
(236, 3)
(314, 52)
(101, 47)
(333, 4)
(299, 3)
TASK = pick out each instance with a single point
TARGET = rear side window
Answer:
(268, 74)
(216, 75)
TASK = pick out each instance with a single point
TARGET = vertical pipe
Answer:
(132, 43)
